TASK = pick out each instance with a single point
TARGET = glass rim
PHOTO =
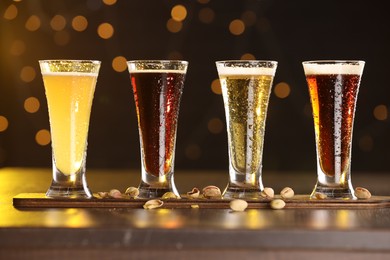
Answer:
(246, 61)
(71, 60)
(158, 61)
(333, 62)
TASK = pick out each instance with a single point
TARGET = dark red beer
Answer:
(157, 97)
(333, 98)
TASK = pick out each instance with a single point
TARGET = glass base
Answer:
(59, 191)
(334, 192)
(69, 186)
(148, 191)
(235, 192)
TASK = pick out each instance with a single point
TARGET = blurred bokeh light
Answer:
(201, 32)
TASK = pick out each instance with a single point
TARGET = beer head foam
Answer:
(246, 71)
(337, 68)
(70, 73)
(134, 70)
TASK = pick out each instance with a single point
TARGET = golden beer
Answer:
(246, 87)
(246, 103)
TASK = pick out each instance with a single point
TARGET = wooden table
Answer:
(125, 233)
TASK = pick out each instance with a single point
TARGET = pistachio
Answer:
(287, 193)
(238, 205)
(277, 204)
(362, 193)
(194, 193)
(320, 196)
(132, 192)
(103, 194)
(114, 193)
(169, 195)
(267, 193)
(212, 192)
(152, 204)
(195, 206)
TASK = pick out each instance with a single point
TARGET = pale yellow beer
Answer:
(69, 97)
(69, 87)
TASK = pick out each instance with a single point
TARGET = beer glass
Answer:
(157, 87)
(69, 87)
(246, 87)
(333, 87)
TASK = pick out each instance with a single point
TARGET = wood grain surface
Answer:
(39, 200)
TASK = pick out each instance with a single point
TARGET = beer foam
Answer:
(246, 71)
(156, 71)
(70, 73)
(316, 68)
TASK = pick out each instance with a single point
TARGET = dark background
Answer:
(282, 30)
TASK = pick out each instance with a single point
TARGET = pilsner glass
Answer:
(157, 87)
(69, 87)
(246, 87)
(333, 87)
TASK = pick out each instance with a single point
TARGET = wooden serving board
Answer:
(39, 200)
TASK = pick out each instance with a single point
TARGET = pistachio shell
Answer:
(277, 204)
(267, 193)
(169, 195)
(211, 192)
(114, 193)
(103, 194)
(152, 204)
(194, 193)
(320, 196)
(362, 193)
(238, 205)
(132, 192)
(287, 193)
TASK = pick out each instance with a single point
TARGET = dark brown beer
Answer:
(333, 99)
(157, 97)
